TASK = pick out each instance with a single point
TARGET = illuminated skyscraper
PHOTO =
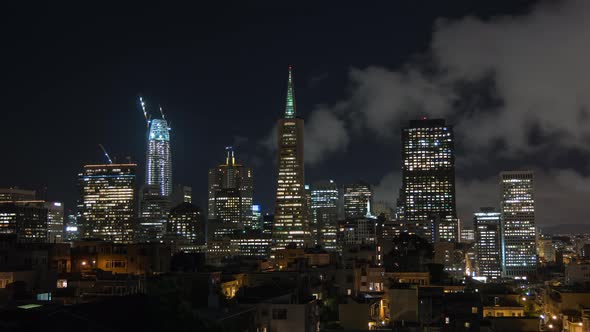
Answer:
(356, 197)
(108, 202)
(291, 223)
(518, 224)
(230, 193)
(428, 175)
(488, 244)
(324, 214)
(159, 157)
(55, 222)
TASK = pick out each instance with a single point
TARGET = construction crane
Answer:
(105, 153)
(145, 113)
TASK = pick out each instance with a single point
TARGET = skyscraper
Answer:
(154, 209)
(290, 219)
(230, 193)
(107, 195)
(186, 225)
(159, 157)
(157, 191)
(55, 222)
(324, 214)
(428, 175)
(518, 224)
(356, 197)
(488, 244)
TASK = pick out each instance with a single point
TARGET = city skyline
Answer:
(324, 87)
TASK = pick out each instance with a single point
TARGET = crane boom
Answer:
(145, 113)
(105, 153)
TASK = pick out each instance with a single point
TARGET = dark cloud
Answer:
(516, 88)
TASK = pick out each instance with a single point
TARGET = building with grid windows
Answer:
(159, 157)
(519, 255)
(230, 194)
(26, 219)
(356, 196)
(488, 244)
(291, 220)
(55, 222)
(428, 176)
(186, 225)
(108, 202)
(153, 214)
(324, 214)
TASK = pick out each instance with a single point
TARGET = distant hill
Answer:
(565, 229)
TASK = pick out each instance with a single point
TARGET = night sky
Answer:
(512, 76)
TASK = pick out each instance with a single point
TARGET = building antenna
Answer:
(105, 153)
(162, 112)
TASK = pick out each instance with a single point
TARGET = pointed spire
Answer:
(290, 107)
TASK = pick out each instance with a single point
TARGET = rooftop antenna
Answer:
(162, 112)
(105, 153)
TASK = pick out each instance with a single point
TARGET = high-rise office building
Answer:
(72, 230)
(186, 225)
(153, 214)
(488, 243)
(324, 214)
(446, 229)
(356, 197)
(107, 202)
(55, 222)
(518, 224)
(291, 222)
(428, 175)
(16, 194)
(159, 157)
(230, 193)
(257, 217)
(26, 219)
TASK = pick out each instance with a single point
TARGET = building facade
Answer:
(324, 214)
(428, 175)
(108, 202)
(231, 187)
(488, 243)
(26, 219)
(291, 222)
(159, 157)
(16, 194)
(356, 196)
(153, 214)
(55, 222)
(519, 248)
(186, 225)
